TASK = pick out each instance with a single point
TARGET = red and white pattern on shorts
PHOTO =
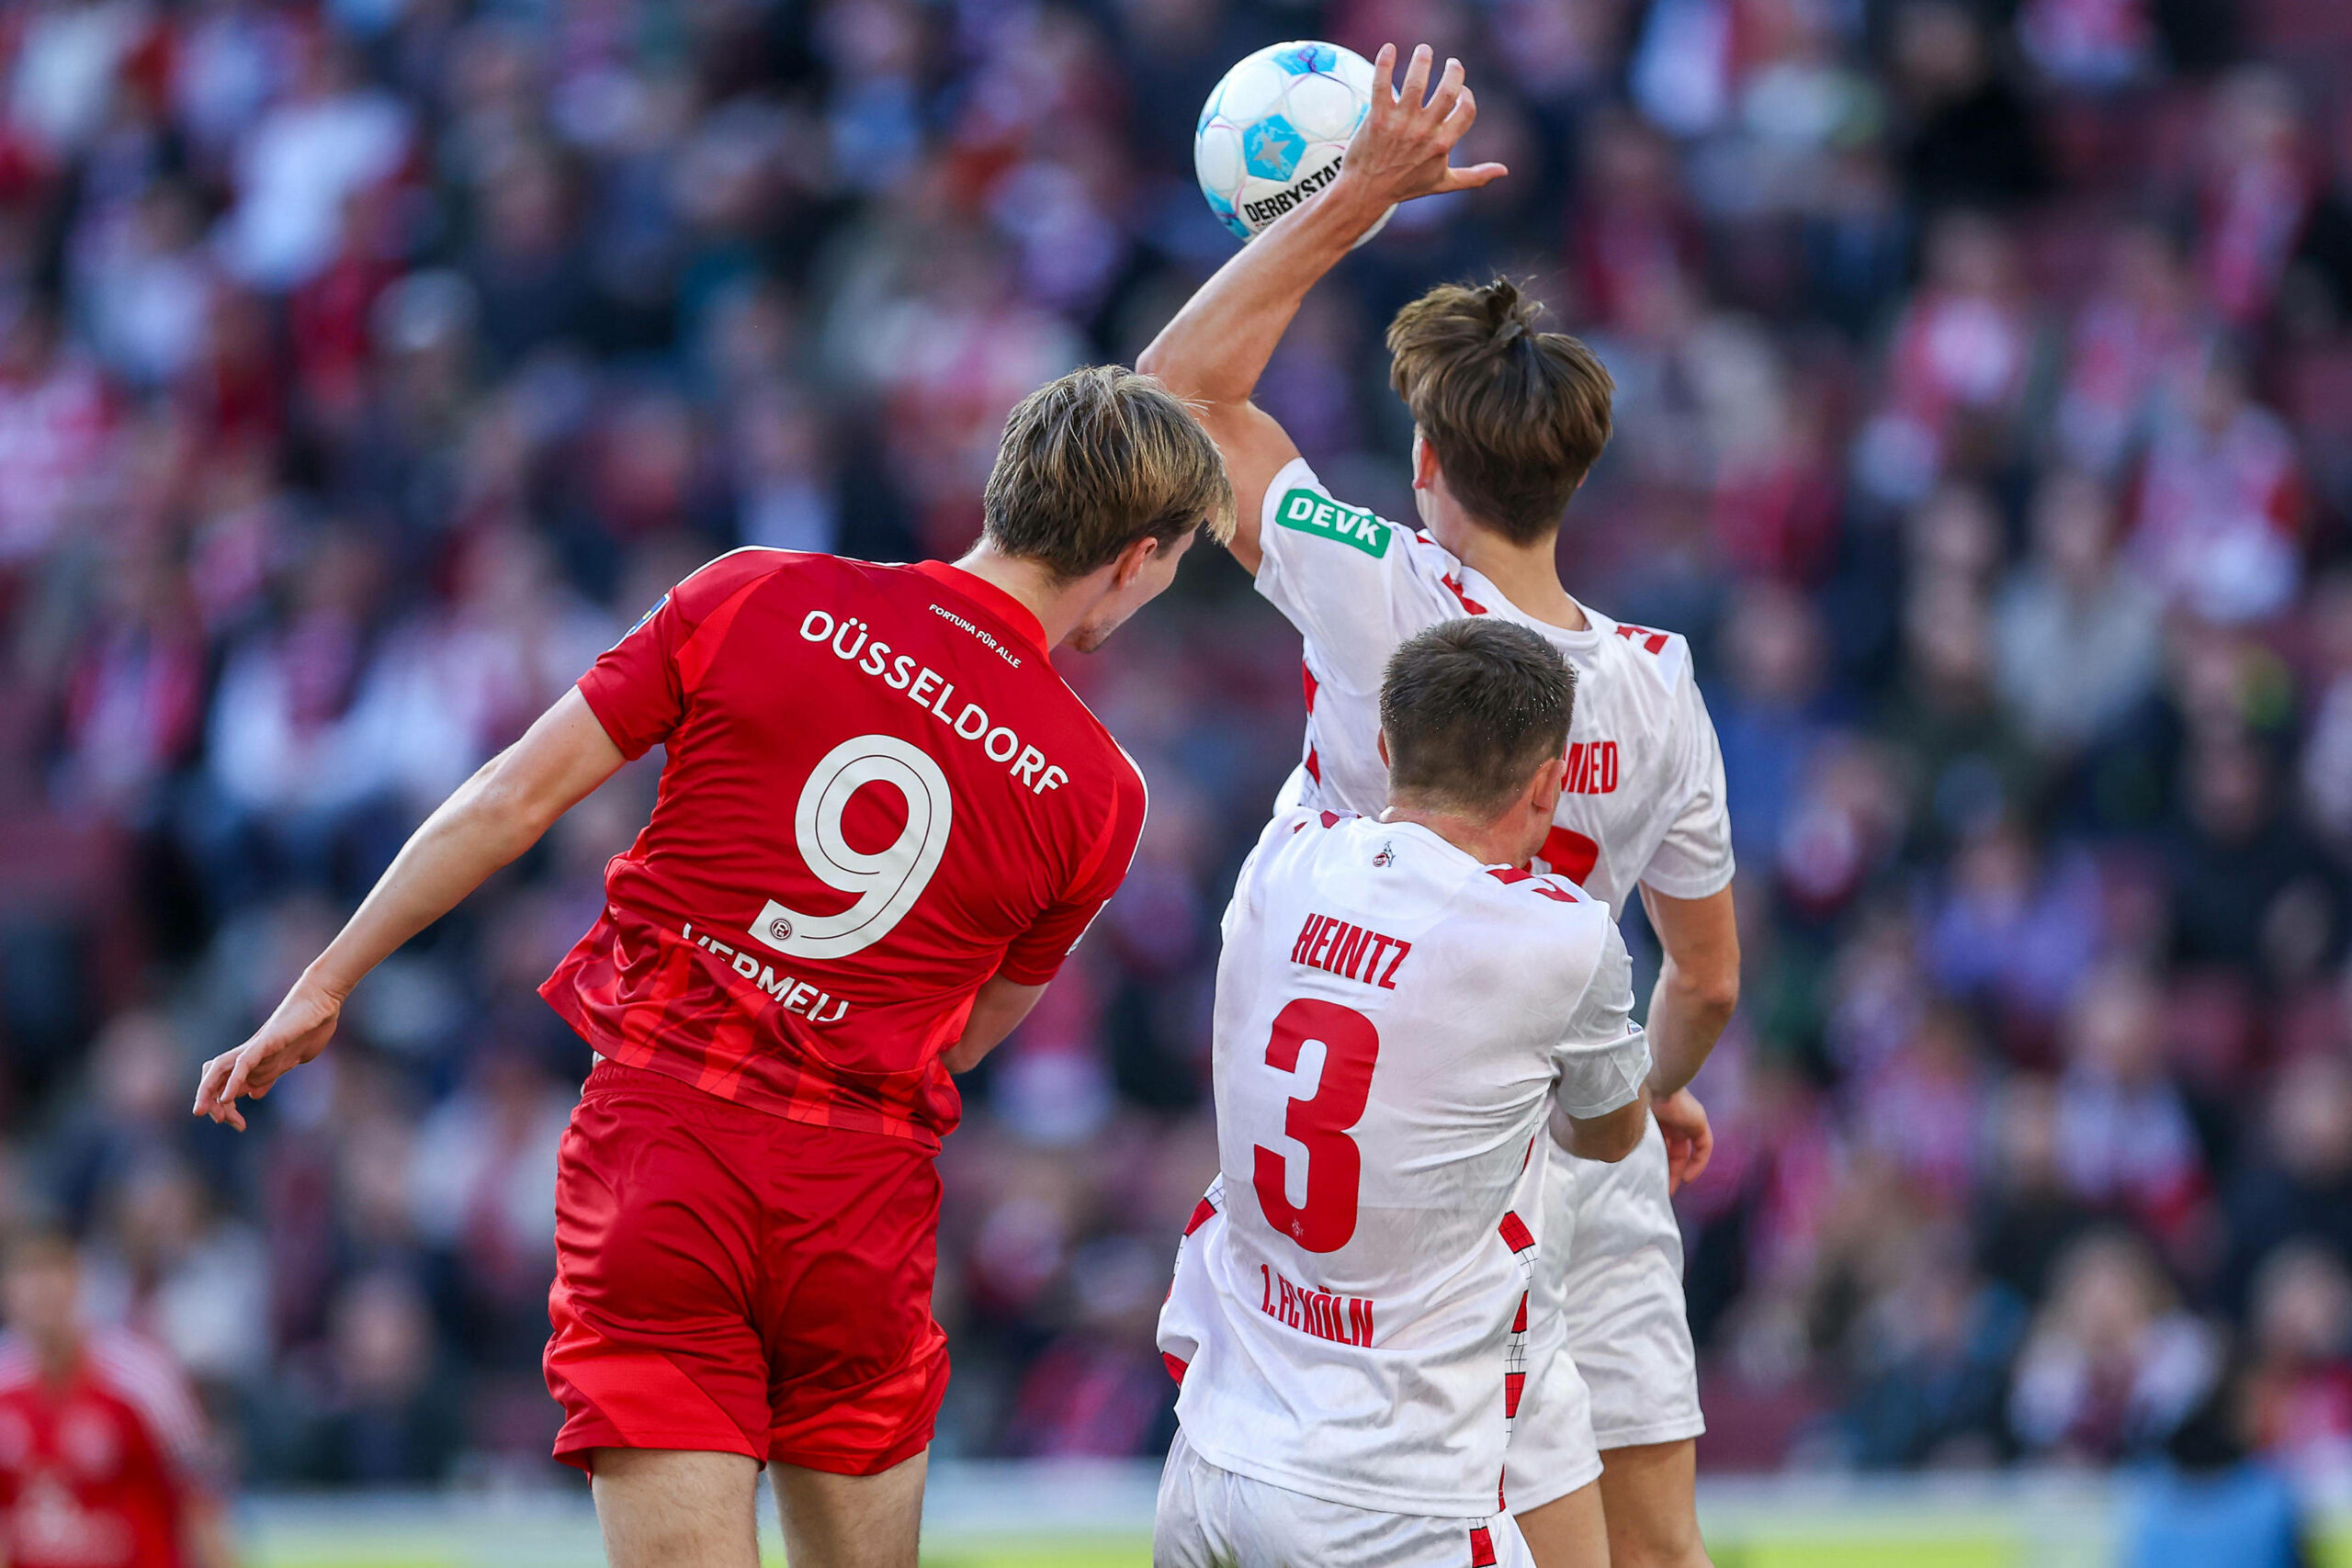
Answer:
(1521, 1242)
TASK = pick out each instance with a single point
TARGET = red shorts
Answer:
(732, 1282)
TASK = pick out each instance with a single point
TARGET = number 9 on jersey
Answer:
(887, 882)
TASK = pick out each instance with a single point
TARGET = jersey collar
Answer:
(1016, 615)
(1595, 623)
(1447, 847)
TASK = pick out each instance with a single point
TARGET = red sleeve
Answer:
(148, 1381)
(1037, 954)
(639, 688)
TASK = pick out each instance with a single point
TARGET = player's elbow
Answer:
(1710, 988)
(1168, 367)
(508, 804)
(1717, 995)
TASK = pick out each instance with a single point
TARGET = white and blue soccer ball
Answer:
(1273, 132)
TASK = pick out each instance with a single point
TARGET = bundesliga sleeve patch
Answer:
(1304, 511)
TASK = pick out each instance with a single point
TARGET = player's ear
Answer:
(1551, 778)
(1424, 461)
(1133, 559)
(1380, 742)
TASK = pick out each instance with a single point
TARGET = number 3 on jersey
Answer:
(1320, 1124)
(887, 883)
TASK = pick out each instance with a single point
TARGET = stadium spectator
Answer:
(2113, 1365)
(2298, 1378)
(105, 1461)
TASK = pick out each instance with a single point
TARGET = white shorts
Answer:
(1552, 1451)
(1213, 1518)
(1611, 1269)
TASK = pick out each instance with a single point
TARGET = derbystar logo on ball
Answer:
(1276, 129)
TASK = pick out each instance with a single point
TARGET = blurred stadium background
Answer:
(1985, 377)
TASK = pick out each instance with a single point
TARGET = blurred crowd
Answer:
(1984, 375)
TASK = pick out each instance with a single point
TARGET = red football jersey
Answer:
(97, 1472)
(878, 793)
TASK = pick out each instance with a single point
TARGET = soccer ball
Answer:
(1272, 134)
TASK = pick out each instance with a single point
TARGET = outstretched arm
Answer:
(493, 817)
(1217, 347)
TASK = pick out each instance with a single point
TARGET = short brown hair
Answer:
(1097, 460)
(1469, 707)
(1517, 417)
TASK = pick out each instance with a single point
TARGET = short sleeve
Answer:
(639, 687)
(1354, 585)
(633, 687)
(1037, 954)
(1603, 1055)
(1694, 859)
(1249, 883)
(148, 1379)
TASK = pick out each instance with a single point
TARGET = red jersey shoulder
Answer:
(142, 1375)
(128, 1372)
(709, 587)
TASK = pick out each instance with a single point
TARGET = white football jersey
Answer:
(1392, 1019)
(1645, 796)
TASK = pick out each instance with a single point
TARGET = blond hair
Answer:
(1097, 460)
(1516, 416)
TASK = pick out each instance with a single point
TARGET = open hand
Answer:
(294, 1034)
(1401, 149)
(1689, 1141)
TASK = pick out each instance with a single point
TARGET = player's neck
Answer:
(57, 1356)
(1488, 841)
(1527, 575)
(1058, 605)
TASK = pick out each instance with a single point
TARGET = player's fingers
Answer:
(1474, 176)
(1384, 82)
(239, 1076)
(1701, 1151)
(1449, 91)
(1459, 119)
(1416, 77)
(208, 1085)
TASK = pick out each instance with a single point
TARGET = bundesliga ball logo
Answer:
(1274, 132)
